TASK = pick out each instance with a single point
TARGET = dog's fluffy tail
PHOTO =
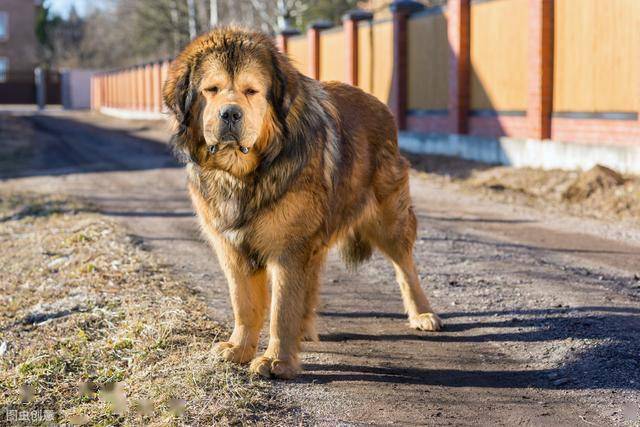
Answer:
(355, 250)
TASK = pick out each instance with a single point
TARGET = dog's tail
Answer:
(355, 250)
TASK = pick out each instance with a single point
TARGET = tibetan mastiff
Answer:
(282, 167)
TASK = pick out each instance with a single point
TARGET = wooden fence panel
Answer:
(375, 66)
(428, 62)
(298, 51)
(499, 55)
(596, 56)
(333, 55)
(365, 56)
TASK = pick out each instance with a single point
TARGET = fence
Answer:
(533, 69)
(19, 87)
(134, 91)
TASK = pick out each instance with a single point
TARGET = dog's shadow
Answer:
(610, 361)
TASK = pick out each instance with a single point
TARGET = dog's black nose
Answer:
(231, 114)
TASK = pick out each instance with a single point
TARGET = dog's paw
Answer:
(426, 322)
(234, 353)
(274, 368)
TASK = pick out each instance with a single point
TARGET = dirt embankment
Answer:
(94, 331)
(599, 193)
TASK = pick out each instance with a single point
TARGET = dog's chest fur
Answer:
(234, 206)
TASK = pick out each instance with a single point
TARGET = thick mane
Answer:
(301, 123)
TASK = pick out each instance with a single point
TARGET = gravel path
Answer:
(542, 313)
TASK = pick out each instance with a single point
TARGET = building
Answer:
(18, 50)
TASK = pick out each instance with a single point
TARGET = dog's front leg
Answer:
(291, 279)
(249, 297)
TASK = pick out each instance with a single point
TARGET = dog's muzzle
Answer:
(213, 149)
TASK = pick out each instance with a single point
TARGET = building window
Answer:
(4, 25)
(4, 69)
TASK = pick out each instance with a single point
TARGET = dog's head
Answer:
(230, 92)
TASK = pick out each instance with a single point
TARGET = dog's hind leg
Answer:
(394, 233)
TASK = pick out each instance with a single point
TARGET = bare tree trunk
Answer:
(282, 15)
(213, 17)
(176, 29)
(191, 7)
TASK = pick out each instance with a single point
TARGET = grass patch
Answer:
(93, 328)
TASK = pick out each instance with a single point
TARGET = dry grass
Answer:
(94, 329)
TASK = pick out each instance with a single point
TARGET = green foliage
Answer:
(329, 10)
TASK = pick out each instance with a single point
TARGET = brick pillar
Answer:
(540, 97)
(103, 90)
(98, 79)
(130, 89)
(164, 73)
(313, 37)
(140, 87)
(281, 42)
(157, 88)
(283, 37)
(133, 82)
(110, 90)
(401, 10)
(119, 91)
(350, 22)
(458, 28)
(100, 89)
(114, 90)
(94, 92)
(148, 87)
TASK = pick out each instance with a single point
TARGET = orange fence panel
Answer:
(499, 55)
(596, 56)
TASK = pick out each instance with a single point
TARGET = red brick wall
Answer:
(540, 97)
(21, 46)
(459, 16)
(428, 124)
(596, 131)
(538, 122)
(494, 127)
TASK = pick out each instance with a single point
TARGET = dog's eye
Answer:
(250, 92)
(212, 89)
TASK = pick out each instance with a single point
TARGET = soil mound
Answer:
(597, 179)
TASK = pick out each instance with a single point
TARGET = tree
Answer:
(126, 32)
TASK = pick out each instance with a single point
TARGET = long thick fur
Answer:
(326, 169)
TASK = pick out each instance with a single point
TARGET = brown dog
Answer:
(281, 167)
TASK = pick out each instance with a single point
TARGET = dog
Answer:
(281, 168)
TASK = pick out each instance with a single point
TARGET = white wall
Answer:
(76, 89)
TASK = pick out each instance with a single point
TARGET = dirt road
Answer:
(542, 314)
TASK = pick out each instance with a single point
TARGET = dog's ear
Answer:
(284, 87)
(179, 94)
